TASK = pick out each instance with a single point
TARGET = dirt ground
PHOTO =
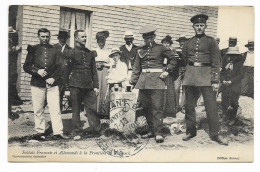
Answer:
(241, 135)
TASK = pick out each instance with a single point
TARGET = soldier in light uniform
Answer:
(201, 54)
(149, 77)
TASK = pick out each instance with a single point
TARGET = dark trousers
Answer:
(192, 95)
(229, 98)
(90, 103)
(62, 91)
(152, 104)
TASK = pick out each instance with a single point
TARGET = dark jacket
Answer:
(234, 75)
(65, 58)
(201, 49)
(42, 57)
(128, 56)
(152, 58)
(81, 71)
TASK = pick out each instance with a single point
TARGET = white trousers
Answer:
(53, 100)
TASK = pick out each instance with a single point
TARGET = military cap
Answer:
(129, 34)
(232, 39)
(168, 38)
(250, 42)
(147, 29)
(102, 35)
(182, 38)
(62, 34)
(199, 18)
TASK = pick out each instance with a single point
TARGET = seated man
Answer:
(118, 71)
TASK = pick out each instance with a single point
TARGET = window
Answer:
(75, 19)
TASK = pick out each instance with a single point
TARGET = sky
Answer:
(236, 21)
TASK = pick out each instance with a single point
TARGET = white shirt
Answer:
(117, 74)
(249, 59)
(102, 54)
(129, 47)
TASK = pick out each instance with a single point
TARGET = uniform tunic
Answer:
(151, 86)
(203, 50)
(83, 79)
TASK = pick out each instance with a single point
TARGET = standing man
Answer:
(247, 88)
(13, 50)
(181, 71)
(129, 50)
(42, 62)
(230, 77)
(83, 84)
(149, 77)
(201, 54)
(64, 53)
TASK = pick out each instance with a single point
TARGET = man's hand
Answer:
(215, 87)
(67, 93)
(164, 75)
(96, 91)
(50, 81)
(42, 72)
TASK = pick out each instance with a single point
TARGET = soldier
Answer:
(201, 54)
(181, 71)
(64, 52)
(82, 81)
(42, 62)
(230, 77)
(247, 88)
(149, 77)
(129, 50)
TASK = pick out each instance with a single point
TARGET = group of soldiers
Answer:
(59, 70)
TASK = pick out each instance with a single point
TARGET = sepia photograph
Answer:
(130, 83)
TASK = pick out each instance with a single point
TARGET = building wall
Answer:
(173, 20)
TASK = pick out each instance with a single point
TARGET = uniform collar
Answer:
(200, 36)
(80, 48)
(153, 44)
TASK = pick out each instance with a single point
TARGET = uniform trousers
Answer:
(229, 98)
(192, 95)
(90, 103)
(38, 99)
(152, 103)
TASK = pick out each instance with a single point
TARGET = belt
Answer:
(198, 64)
(152, 70)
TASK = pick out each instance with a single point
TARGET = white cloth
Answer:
(102, 54)
(128, 47)
(249, 59)
(117, 74)
(53, 100)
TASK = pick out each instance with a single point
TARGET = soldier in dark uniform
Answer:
(230, 77)
(128, 50)
(149, 77)
(201, 54)
(64, 52)
(83, 84)
(42, 62)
